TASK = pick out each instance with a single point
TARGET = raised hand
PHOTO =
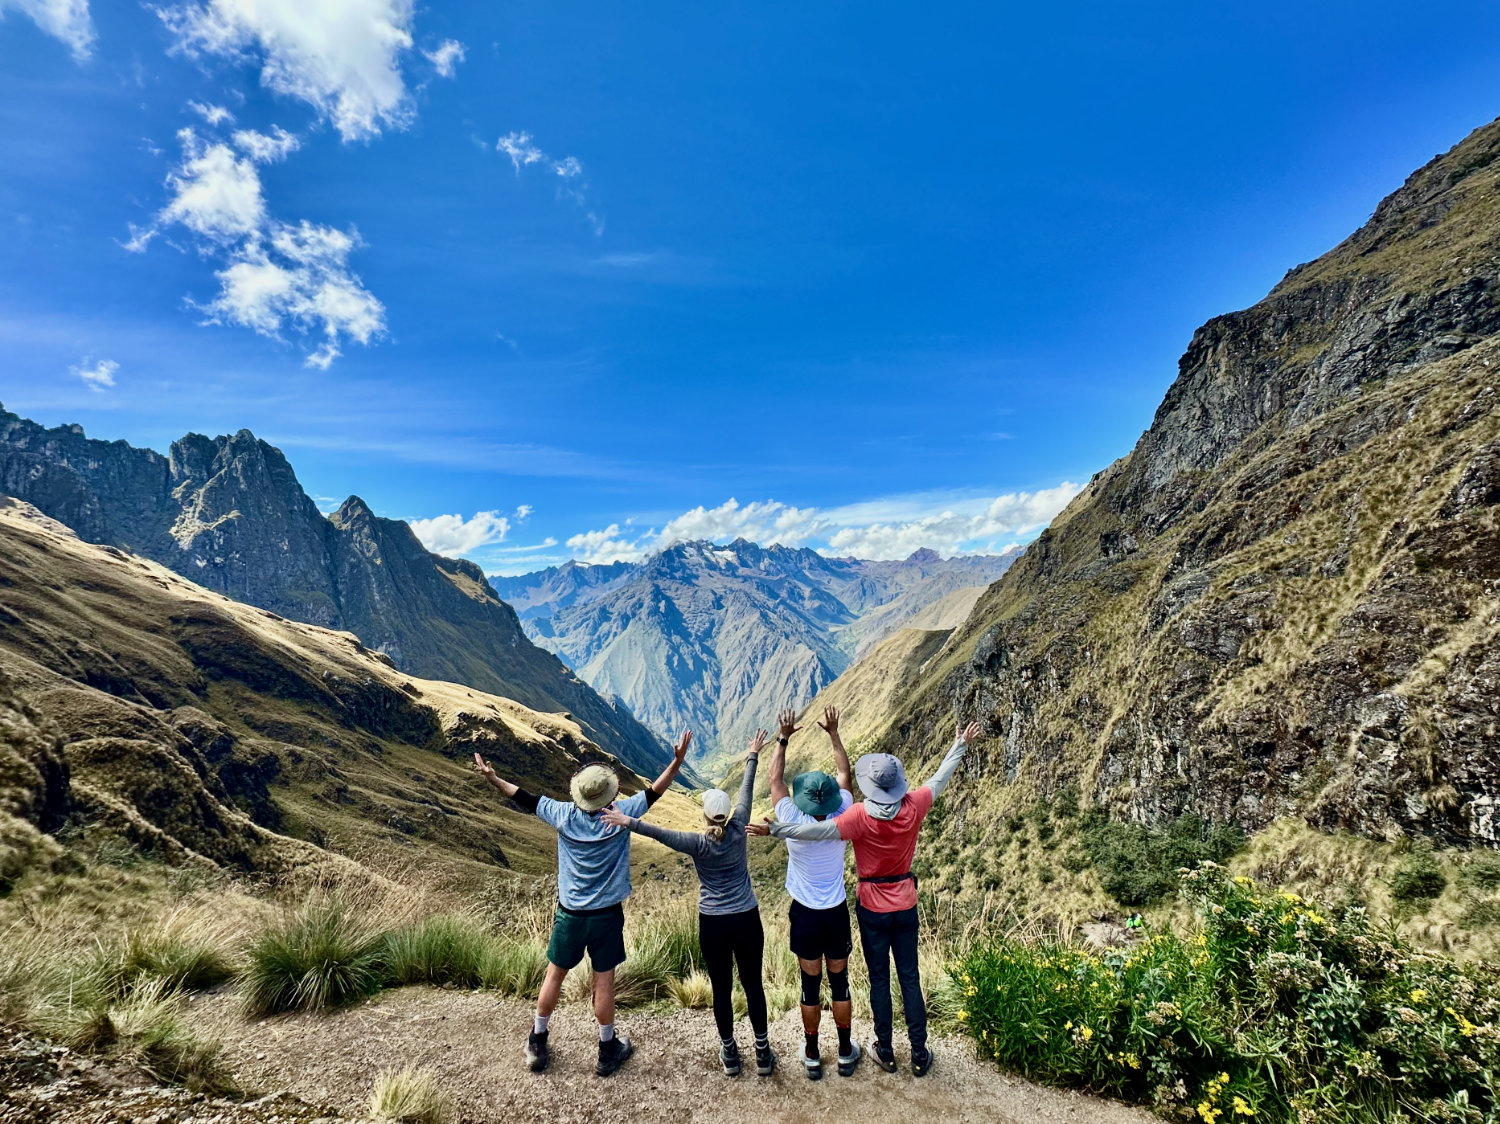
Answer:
(484, 767)
(762, 828)
(967, 734)
(758, 742)
(787, 721)
(830, 723)
(615, 817)
(679, 751)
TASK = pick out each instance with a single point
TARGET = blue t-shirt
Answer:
(593, 859)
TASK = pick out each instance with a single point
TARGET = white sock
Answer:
(606, 1032)
(541, 1024)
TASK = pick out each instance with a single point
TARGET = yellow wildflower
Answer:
(1242, 1107)
(1418, 994)
(1086, 1033)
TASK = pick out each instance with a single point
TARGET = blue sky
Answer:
(564, 280)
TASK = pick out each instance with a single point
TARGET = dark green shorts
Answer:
(601, 933)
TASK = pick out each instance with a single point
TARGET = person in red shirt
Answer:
(884, 831)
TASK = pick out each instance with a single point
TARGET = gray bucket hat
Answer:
(881, 777)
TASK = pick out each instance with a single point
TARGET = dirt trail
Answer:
(473, 1042)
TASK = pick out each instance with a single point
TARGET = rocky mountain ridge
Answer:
(1285, 601)
(717, 637)
(229, 514)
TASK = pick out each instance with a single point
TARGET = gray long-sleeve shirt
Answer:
(723, 874)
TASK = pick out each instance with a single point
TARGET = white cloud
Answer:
(446, 57)
(342, 57)
(215, 115)
(891, 528)
(276, 276)
(266, 148)
(569, 171)
(67, 20)
(454, 536)
(215, 193)
(523, 512)
(96, 376)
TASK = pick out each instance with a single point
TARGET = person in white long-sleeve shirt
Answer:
(884, 831)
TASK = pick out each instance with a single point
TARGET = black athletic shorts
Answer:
(819, 933)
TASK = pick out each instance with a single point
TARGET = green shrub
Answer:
(1138, 863)
(179, 962)
(1276, 1009)
(440, 950)
(513, 967)
(316, 957)
(1418, 876)
(1482, 871)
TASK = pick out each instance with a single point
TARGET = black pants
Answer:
(727, 938)
(887, 935)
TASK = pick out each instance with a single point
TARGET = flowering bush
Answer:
(1274, 1009)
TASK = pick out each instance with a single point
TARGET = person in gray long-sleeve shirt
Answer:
(729, 927)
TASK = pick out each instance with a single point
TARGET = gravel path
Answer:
(472, 1041)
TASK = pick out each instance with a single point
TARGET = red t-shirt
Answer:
(886, 847)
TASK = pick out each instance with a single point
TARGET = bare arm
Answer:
(786, 726)
(669, 774)
(488, 773)
(830, 726)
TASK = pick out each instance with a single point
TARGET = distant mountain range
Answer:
(717, 637)
(228, 514)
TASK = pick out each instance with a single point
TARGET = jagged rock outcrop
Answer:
(718, 638)
(1285, 600)
(229, 514)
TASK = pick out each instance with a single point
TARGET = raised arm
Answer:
(514, 791)
(688, 842)
(962, 737)
(830, 726)
(660, 785)
(786, 726)
(747, 786)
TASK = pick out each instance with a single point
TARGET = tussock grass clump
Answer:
(1276, 1009)
(144, 1029)
(444, 949)
(513, 968)
(693, 991)
(319, 956)
(1418, 876)
(411, 1096)
(176, 961)
(663, 949)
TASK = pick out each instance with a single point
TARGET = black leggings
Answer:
(726, 938)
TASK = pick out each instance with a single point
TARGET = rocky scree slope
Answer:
(204, 730)
(1283, 601)
(229, 514)
(717, 638)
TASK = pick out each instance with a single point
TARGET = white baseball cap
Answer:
(716, 804)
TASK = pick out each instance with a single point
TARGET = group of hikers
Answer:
(816, 816)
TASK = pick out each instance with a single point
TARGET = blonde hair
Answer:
(715, 828)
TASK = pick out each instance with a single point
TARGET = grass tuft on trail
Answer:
(443, 949)
(1276, 1009)
(409, 1096)
(319, 956)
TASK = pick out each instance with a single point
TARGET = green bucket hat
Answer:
(817, 794)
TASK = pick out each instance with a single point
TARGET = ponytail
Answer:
(715, 829)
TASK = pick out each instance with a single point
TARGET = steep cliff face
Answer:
(1283, 601)
(228, 513)
(718, 638)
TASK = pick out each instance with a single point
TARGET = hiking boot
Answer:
(885, 1057)
(537, 1057)
(612, 1054)
(921, 1061)
(765, 1061)
(812, 1066)
(729, 1056)
(848, 1061)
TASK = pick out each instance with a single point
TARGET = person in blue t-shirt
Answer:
(593, 880)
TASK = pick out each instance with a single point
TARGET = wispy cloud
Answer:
(342, 57)
(214, 115)
(524, 152)
(67, 20)
(446, 57)
(96, 376)
(276, 277)
(455, 536)
(891, 528)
